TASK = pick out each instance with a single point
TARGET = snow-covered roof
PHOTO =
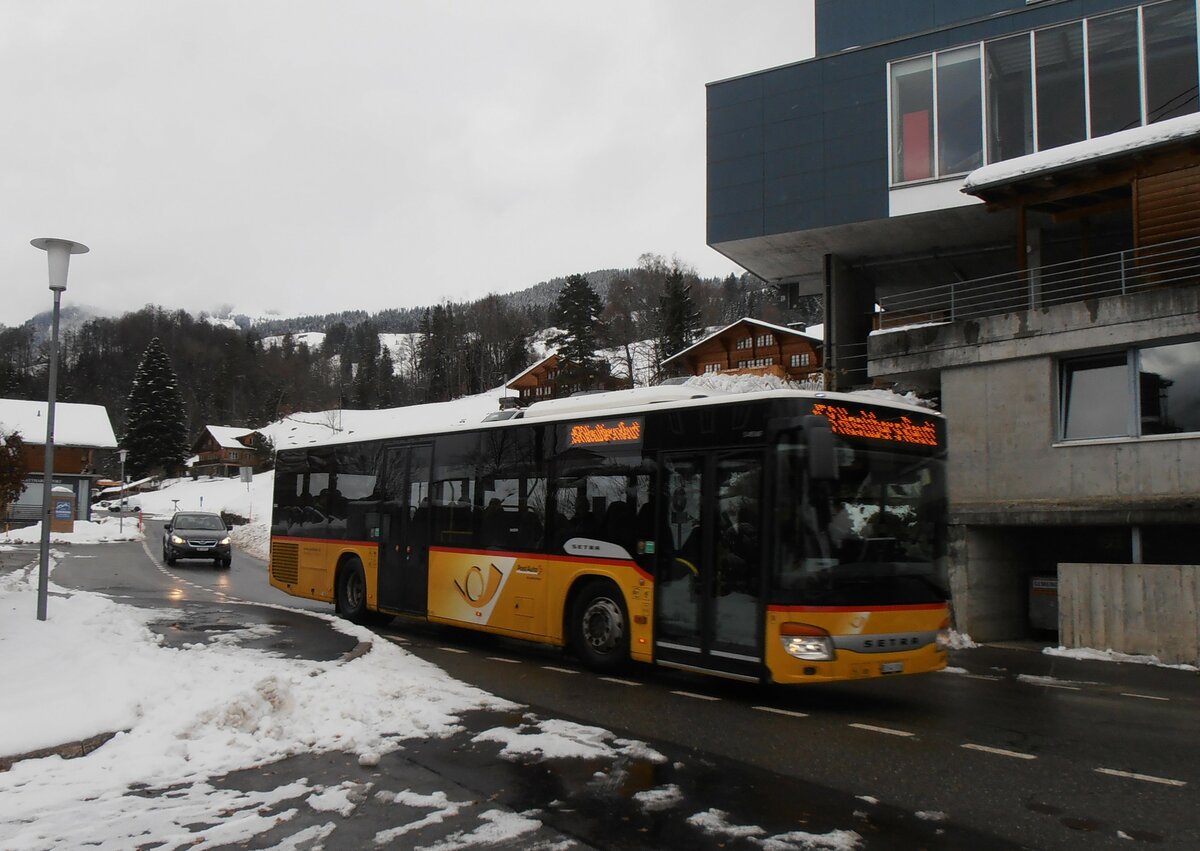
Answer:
(1091, 150)
(778, 329)
(227, 436)
(74, 424)
(517, 378)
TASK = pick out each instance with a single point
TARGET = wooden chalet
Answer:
(541, 381)
(80, 432)
(222, 450)
(752, 347)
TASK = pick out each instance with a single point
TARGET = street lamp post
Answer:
(124, 453)
(58, 256)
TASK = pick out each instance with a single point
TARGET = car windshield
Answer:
(207, 522)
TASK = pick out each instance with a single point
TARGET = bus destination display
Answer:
(867, 424)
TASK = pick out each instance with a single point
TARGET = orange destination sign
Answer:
(606, 433)
(867, 424)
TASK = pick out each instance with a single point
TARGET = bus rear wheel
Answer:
(352, 591)
(599, 626)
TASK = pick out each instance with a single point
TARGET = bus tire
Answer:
(599, 627)
(351, 591)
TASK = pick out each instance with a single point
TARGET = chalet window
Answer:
(233, 455)
(802, 359)
(765, 340)
(710, 368)
(1134, 393)
(745, 343)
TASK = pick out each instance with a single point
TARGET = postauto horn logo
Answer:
(476, 588)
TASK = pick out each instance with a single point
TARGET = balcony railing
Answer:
(1119, 273)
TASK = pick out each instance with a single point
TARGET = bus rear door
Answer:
(404, 536)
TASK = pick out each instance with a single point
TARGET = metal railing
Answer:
(1120, 273)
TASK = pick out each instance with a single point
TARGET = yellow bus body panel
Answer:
(523, 595)
(306, 567)
(848, 665)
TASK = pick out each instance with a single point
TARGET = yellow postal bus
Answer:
(779, 536)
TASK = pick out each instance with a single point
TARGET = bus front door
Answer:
(404, 536)
(709, 570)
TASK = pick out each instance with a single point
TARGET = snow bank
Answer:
(1093, 655)
(99, 531)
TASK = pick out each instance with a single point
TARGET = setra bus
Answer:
(780, 536)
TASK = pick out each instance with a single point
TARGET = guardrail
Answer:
(1119, 273)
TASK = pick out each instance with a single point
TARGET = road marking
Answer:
(782, 711)
(1149, 778)
(559, 670)
(620, 681)
(887, 730)
(987, 677)
(1143, 696)
(694, 695)
(502, 659)
(999, 751)
(452, 650)
(396, 639)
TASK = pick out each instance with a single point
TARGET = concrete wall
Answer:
(1147, 609)
(988, 576)
(1005, 459)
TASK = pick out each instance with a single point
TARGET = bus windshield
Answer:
(869, 537)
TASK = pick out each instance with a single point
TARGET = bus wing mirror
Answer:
(822, 454)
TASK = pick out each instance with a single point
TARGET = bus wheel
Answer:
(352, 591)
(599, 631)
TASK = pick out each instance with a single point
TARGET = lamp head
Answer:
(58, 253)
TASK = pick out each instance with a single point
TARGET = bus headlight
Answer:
(805, 641)
(943, 636)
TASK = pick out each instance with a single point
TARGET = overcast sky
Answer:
(316, 156)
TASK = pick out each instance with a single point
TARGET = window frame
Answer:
(1066, 365)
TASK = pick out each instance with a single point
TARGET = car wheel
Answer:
(599, 626)
(352, 591)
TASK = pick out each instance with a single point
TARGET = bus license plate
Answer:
(891, 668)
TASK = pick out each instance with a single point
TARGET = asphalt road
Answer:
(1014, 749)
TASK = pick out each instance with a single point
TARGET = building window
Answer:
(710, 368)
(745, 343)
(802, 359)
(1114, 94)
(1138, 392)
(765, 340)
(1039, 90)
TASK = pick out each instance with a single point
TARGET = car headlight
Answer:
(175, 539)
(805, 641)
(224, 541)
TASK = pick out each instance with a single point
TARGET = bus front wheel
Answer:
(599, 626)
(352, 591)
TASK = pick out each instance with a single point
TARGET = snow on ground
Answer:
(1093, 655)
(98, 531)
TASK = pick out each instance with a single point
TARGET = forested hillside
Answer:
(228, 375)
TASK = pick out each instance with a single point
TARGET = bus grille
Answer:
(285, 563)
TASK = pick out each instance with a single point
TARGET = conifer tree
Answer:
(12, 468)
(156, 423)
(578, 315)
(678, 319)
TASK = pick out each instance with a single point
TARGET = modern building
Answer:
(223, 450)
(79, 432)
(754, 347)
(998, 201)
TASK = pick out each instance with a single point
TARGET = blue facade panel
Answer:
(812, 137)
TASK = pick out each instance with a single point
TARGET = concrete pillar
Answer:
(988, 571)
(849, 306)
